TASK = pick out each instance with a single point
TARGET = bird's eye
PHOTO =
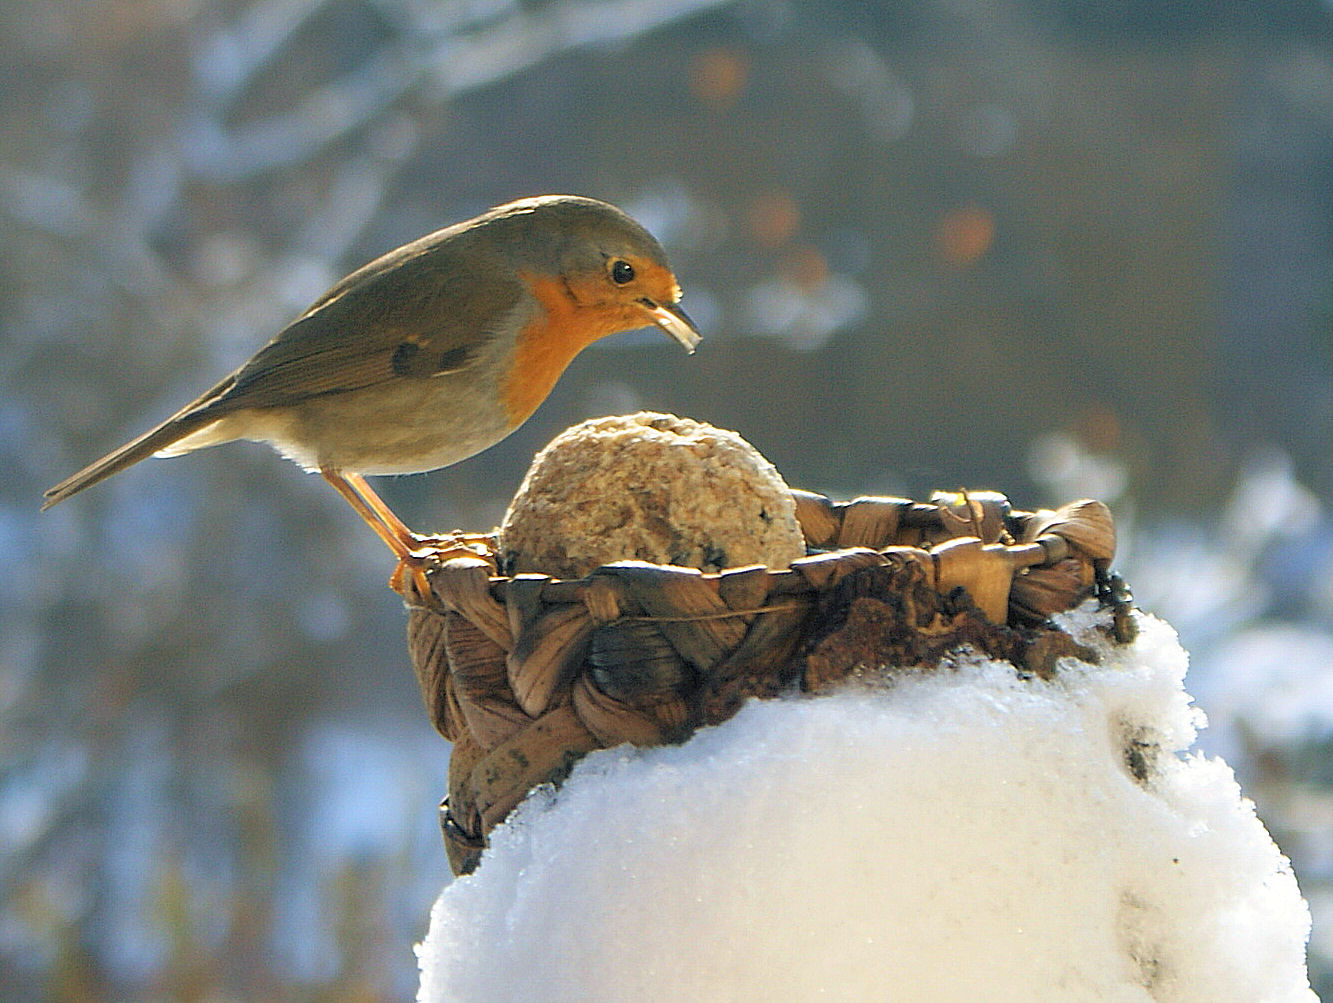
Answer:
(621, 272)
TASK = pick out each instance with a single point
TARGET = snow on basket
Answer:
(950, 836)
(987, 801)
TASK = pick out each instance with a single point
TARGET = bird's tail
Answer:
(191, 420)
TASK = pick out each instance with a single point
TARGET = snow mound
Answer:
(961, 835)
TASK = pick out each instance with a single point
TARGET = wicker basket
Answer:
(527, 674)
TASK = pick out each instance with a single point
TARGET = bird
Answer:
(429, 354)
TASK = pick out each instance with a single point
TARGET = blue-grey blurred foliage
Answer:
(1054, 247)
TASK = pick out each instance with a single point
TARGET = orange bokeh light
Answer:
(773, 218)
(965, 234)
(718, 77)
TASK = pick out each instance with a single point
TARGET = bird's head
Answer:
(608, 264)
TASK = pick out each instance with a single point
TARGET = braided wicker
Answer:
(527, 674)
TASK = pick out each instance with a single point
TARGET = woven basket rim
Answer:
(912, 515)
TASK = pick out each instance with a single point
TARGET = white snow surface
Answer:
(960, 835)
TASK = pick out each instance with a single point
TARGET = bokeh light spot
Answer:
(964, 235)
(773, 218)
(718, 77)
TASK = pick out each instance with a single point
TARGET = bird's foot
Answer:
(430, 551)
(410, 579)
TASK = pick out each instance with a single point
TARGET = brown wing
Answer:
(420, 311)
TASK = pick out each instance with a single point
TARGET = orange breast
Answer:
(549, 342)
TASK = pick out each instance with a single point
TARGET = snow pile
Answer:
(962, 835)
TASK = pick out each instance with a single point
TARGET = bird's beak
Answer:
(675, 322)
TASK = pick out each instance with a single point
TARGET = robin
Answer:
(431, 353)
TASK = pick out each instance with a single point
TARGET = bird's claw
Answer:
(429, 552)
(414, 566)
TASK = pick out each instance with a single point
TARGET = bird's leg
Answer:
(452, 543)
(412, 549)
(387, 526)
(342, 485)
(409, 540)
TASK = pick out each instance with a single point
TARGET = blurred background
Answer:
(1053, 247)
